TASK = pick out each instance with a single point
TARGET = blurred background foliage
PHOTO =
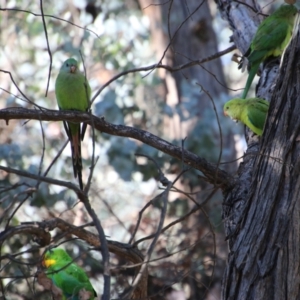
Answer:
(115, 36)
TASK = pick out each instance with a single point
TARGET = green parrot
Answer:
(66, 275)
(73, 92)
(271, 38)
(252, 112)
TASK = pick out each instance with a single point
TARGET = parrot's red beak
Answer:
(73, 69)
(225, 113)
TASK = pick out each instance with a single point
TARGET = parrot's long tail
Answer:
(251, 76)
(73, 131)
(76, 157)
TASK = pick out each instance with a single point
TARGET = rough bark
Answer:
(264, 258)
(261, 212)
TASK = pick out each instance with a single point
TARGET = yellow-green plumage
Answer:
(66, 275)
(271, 38)
(73, 92)
(252, 112)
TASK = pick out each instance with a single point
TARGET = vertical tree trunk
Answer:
(261, 213)
(264, 252)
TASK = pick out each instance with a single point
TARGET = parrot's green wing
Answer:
(256, 113)
(274, 33)
(268, 42)
(71, 279)
(271, 38)
(73, 92)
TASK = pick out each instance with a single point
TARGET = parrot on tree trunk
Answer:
(73, 92)
(252, 112)
(271, 38)
(67, 276)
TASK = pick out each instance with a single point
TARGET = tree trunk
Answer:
(261, 212)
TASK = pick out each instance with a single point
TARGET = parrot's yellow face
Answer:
(48, 262)
(233, 108)
(227, 112)
(49, 259)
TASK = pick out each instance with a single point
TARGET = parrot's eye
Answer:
(67, 64)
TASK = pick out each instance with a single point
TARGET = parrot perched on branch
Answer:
(252, 112)
(67, 276)
(73, 92)
(271, 38)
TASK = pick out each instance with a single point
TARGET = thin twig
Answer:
(56, 157)
(42, 178)
(48, 46)
(219, 127)
(164, 197)
(168, 68)
(49, 16)
(179, 220)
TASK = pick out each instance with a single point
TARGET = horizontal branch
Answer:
(213, 174)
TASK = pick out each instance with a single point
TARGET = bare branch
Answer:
(212, 174)
(48, 46)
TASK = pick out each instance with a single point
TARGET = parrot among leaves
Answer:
(73, 92)
(67, 276)
(271, 38)
(252, 112)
